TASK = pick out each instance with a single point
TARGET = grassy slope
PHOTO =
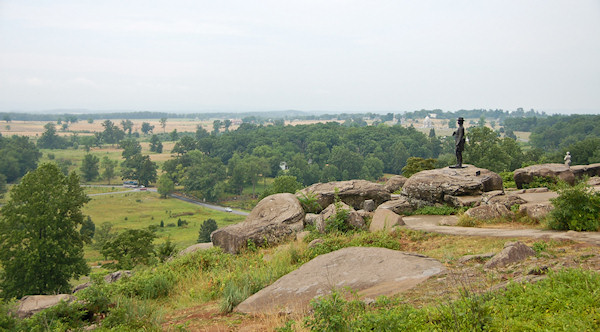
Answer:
(142, 209)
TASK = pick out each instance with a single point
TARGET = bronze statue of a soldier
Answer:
(459, 140)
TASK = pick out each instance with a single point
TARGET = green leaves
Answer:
(42, 248)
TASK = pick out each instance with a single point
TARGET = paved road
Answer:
(186, 199)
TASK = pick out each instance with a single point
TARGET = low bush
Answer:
(576, 208)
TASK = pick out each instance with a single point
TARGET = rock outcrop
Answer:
(353, 192)
(274, 218)
(369, 271)
(489, 212)
(513, 252)
(526, 175)
(590, 170)
(32, 304)
(536, 211)
(385, 219)
(439, 185)
(395, 183)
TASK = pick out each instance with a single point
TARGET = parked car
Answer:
(228, 210)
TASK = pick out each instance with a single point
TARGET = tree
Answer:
(165, 185)
(89, 167)
(481, 122)
(109, 166)
(41, 247)
(127, 126)
(2, 185)
(416, 164)
(451, 123)
(51, 140)
(111, 134)
(227, 124)
(174, 135)
(207, 227)
(140, 168)
(163, 123)
(217, 124)
(7, 118)
(88, 228)
(18, 155)
(130, 148)
(147, 128)
(130, 248)
(155, 144)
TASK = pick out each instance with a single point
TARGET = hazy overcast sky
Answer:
(327, 55)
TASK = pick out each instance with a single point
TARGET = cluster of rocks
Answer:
(560, 171)
(281, 216)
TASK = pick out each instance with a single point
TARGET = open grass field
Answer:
(137, 210)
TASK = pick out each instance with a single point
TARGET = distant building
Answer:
(427, 123)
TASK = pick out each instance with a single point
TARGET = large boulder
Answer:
(435, 185)
(536, 211)
(369, 271)
(513, 252)
(560, 171)
(508, 200)
(353, 192)
(489, 212)
(385, 219)
(32, 304)
(590, 170)
(274, 218)
(395, 183)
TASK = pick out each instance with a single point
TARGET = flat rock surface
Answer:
(369, 271)
(31, 304)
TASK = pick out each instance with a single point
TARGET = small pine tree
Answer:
(162, 223)
(207, 227)
(88, 229)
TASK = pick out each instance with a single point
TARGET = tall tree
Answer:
(147, 128)
(108, 165)
(163, 123)
(50, 139)
(41, 246)
(155, 144)
(127, 126)
(165, 185)
(89, 167)
(111, 134)
(139, 168)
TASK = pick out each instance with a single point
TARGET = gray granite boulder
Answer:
(489, 212)
(395, 183)
(435, 185)
(385, 219)
(513, 252)
(369, 271)
(32, 304)
(527, 174)
(273, 219)
(353, 192)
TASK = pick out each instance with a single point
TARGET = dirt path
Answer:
(429, 223)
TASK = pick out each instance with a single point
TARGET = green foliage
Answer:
(336, 241)
(443, 210)
(508, 179)
(540, 246)
(309, 202)
(130, 248)
(282, 184)
(166, 250)
(576, 208)
(338, 221)
(89, 167)
(148, 284)
(165, 185)
(146, 128)
(131, 315)
(102, 235)
(549, 182)
(333, 313)
(61, 317)
(416, 164)
(109, 168)
(51, 140)
(88, 229)
(155, 144)
(139, 167)
(18, 156)
(567, 299)
(41, 247)
(207, 227)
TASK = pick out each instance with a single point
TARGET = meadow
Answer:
(141, 209)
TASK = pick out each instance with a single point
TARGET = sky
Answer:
(310, 55)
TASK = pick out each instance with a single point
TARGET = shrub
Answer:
(166, 250)
(310, 203)
(208, 226)
(542, 181)
(508, 179)
(576, 208)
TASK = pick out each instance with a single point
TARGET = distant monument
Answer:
(568, 159)
(427, 123)
(459, 140)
